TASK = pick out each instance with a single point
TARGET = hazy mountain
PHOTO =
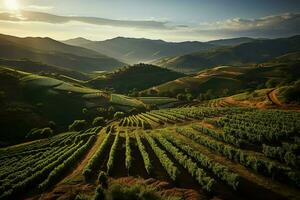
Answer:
(77, 41)
(134, 50)
(247, 53)
(231, 41)
(49, 51)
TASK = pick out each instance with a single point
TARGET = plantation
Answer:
(225, 152)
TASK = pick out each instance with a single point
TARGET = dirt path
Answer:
(273, 98)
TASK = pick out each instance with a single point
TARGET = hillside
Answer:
(135, 78)
(134, 50)
(49, 51)
(31, 101)
(253, 52)
(225, 80)
(231, 41)
(40, 68)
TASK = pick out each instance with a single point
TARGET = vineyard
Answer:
(225, 152)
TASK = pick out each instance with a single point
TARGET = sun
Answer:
(12, 5)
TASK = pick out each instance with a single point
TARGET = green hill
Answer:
(28, 100)
(248, 53)
(49, 51)
(135, 78)
(224, 80)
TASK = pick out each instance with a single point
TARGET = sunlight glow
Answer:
(12, 5)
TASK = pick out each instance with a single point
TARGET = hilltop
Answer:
(135, 78)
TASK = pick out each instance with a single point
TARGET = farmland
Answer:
(229, 153)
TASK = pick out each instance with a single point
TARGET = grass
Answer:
(125, 100)
(157, 100)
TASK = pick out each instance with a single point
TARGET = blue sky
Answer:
(202, 19)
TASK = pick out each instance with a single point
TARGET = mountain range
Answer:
(135, 50)
(53, 52)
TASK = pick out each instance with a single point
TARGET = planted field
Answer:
(40, 165)
(225, 153)
(230, 153)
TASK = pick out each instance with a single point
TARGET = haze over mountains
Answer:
(134, 50)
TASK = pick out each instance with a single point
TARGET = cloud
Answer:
(282, 25)
(270, 26)
(31, 16)
(37, 7)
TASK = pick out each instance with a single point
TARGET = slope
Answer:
(253, 52)
(52, 52)
(134, 50)
(135, 78)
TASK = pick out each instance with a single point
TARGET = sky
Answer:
(170, 20)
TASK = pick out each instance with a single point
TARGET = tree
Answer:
(103, 179)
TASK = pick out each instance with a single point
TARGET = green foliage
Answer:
(112, 154)
(99, 194)
(146, 159)
(98, 121)
(166, 162)
(93, 162)
(118, 115)
(39, 133)
(133, 192)
(292, 93)
(78, 125)
(103, 179)
(128, 157)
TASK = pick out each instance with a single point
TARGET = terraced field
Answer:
(223, 153)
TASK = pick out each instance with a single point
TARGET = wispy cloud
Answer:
(39, 8)
(56, 19)
(282, 25)
(274, 25)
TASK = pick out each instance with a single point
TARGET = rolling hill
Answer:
(253, 52)
(52, 52)
(135, 78)
(135, 50)
(224, 80)
(28, 100)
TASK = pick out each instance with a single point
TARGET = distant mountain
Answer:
(231, 41)
(247, 53)
(77, 41)
(134, 50)
(49, 51)
(138, 77)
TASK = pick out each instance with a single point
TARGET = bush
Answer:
(99, 194)
(103, 179)
(78, 125)
(134, 192)
(36, 133)
(98, 121)
(118, 115)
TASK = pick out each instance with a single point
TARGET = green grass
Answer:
(125, 100)
(157, 100)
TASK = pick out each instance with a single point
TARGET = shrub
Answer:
(103, 179)
(99, 194)
(98, 121)
(134, 192)
(78, 125)
(36, 133)
(118, 115)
